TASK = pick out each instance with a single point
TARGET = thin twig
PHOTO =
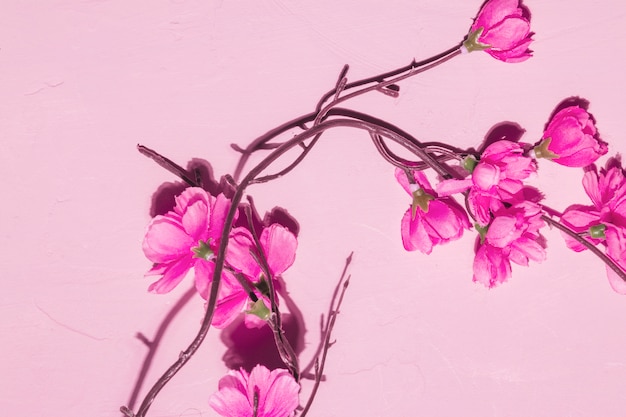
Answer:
(285, 350)
(330, 323)
(414, 68)
(593, 248)
(167, 164)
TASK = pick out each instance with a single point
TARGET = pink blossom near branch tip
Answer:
(571, 139)
(502, 30)
(275, 393)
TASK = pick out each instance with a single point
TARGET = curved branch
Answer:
(593, 248)
(409, 143)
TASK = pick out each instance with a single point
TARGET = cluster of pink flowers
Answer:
(505, 210)
(187, 238)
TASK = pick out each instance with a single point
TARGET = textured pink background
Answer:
(82, 82)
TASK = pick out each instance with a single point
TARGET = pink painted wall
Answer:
(82, 82)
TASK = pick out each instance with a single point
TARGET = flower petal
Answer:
(507, 34)
(495, 11)
(166, 239)
(453, 186)
(195, 220)
(280, 246)
(239, 255)
(203, 276)
(232, 400)
(281, 392)
(231, 301)
(174, 273)
(445, 220)
(219, 212)
(491, 266)
(414, 236)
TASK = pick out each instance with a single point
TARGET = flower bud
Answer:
(571, 139)
(502, 30)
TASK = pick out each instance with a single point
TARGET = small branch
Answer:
(414, 68)
(603, 257)
(287, 354)
(341, 81)
(300, 158)
(332, 317)
(449, 54)
(385, 75)
(167, 164)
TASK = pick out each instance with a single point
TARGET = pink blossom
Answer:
(491, 266)
(512, 236)
(495, 180)
(184, 238)
(605, 219)
(571, 139)
(435, 221)
(279, 246)
(272, 393)
(502, 30)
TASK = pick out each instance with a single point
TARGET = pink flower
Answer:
(430, 220)
(605, 220)
(502, 30)
(571, 139)
(512, 236)
(272, 393)
(185, 238)
(496, 179)
(279, 246)
(491, 266)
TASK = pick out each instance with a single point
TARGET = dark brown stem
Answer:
(318, 128)
(168, 165)
(287, 354)
(593, 248)
(380, 80)
(451, 53)
(383, 76)
(408, 143)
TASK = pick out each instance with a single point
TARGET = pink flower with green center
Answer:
(571, 139)
(185, 238)
(279, 246)
(512, 236)
(501, 29)
(496, 179)
(260, 393)
(605, 220)
(430, 220)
